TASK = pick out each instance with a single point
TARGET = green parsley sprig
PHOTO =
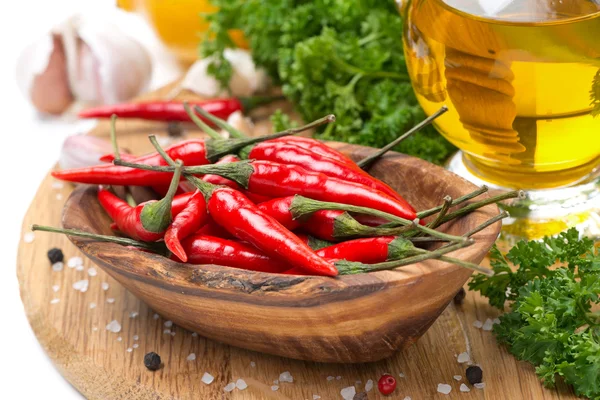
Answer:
(551, 323)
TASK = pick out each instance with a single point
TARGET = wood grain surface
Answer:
(71, 326)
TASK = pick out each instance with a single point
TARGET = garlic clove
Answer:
(239, 122)
(42, 76)
(81, 150)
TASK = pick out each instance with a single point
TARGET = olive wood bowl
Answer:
(349, 319)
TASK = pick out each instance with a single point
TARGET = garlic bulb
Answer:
(81, 150)
(82, 59)
(246, 79)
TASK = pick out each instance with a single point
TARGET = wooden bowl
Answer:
(349, 319)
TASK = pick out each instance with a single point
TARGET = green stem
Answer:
(351, 69)
(303, 206)
(156, 216)
(465, 264)
(365, 163)
(101, 238)
(487, 223)
(457, 201)
(201, 124)
(492, 200)
(445, 207)
(233, 132)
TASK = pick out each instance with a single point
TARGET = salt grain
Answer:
(274, 388)
(104, 286)
(496, 321)
(119, 339)
(79, 268)
(229, 387)
(252, 364)
(114, 326)
(207, 378)
(348, 392)
(286, 377)
(401, 375)
(58, 266)
(457, 377)
(478, 324)
(133, 314)
(407, 398)
(173, 333)
(28, 237)
(135, 345)
(463, 358)
(92, 271)
(156, 316)
(55, 288)
(168, 324)
(92, 305)
(488, 325)
(330, 378)
(59, 196)
(369, 385)
(167, 331)
(81, 285)
(444, 388)
(74, 262)
(191, 357)
(276, 382)
(57, 185)
(135, 337)
(338, 377)
(464, 388)
(479, 385)
(195, 334)
(54, 301)
(316, 397)
(241, 384)
(110, 300)
(129, 349)
(95, 329)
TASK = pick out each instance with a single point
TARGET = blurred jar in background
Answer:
(179, 24)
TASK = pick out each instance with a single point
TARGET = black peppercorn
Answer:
(474, 374)
(55, 255)
(174, 129)
(152, 361)
(460, 296)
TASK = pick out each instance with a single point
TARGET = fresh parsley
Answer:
(343, 57)
(552, 323)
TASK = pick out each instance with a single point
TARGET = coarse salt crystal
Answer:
(357, 383)
(95, 329)
(457, 377)
(81, 285)
(55, 288)
(401, 375)
(444, 388)
(480, 385)
(79, 268)
(119, 339)
(407, 398)
(167, 331)
(104, 286)
(114, 326)
(369, 385)
(463, 357)
(207, 378)
(276, 382)
(110, 300)
(191, 357)
(54, 301)
(92, 305)
(488, 325)
(135, 345)
(58, 266)
(286, 377)
(464, 388)
(92, 271)
(316, 397)
(59, 196)
(57, 185)
(252, 364)
(229, 387)
(330, 378)
(133, 314)
(74, 262)
(129, 349)
(172, 333)
(28, 237)
(338, 377)
(348, 392)
(195, 334)
(168, 324)
(241, 384)
(478, 324)
(496, 321)
(156, 316)
(274, 388)
(135, 337)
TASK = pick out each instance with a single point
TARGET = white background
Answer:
(29, 147)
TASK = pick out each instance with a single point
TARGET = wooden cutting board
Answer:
(71, 326)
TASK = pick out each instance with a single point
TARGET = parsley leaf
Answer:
(551, 323)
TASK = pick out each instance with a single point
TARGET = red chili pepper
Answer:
(204, 249)
(280, 180)
(186, 222)
(287, 153)
(386, 384)
(368, 250)
(212, 229)
(147, 221)
(319, 148)
(174, 110)
(218, 180)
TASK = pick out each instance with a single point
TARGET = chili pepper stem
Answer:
(445, 207)
(491, 221)
(474, 206)
(101, 238)
(349, 267)
(156, 216)
(457, 201)
(303, 206)
(345, 226)
(201, 124)
(366, 163)
(464, 264)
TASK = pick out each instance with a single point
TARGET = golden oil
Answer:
(516, 76)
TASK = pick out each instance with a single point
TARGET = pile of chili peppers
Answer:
(278, 203)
